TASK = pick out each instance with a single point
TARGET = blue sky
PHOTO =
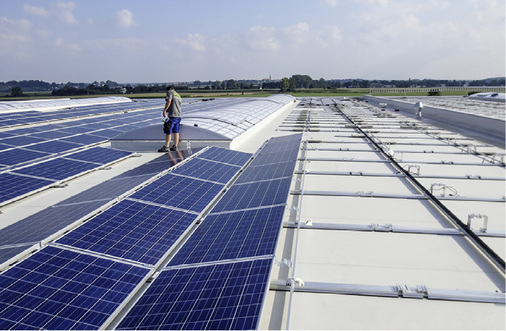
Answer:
(170, 41)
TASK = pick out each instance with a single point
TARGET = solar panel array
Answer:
(84, 276)
(219, 277)
(29, 179)
(17, 237)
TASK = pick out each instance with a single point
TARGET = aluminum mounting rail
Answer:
(479, 244)
(393, 291)
(389, 228)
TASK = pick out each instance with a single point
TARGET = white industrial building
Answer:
(311, 213)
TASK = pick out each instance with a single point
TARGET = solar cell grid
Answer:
(57, 289)
(265, 172)
(225, 156)
(55, 134)
(107, 133)
(85, 139)
(12, 186)
(54, 146)
(131, 230)
(218, 297)
(45, 223)
(57, 169)
(275, 157)
(4, 147)
(98, 155)
(20, 140)
(208, 170)
(252, 195)
(181, 192)
(233, 235)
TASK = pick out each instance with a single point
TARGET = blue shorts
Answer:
(171, 125)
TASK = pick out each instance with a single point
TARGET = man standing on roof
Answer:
(172, 115)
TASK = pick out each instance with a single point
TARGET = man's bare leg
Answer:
(176, 139)
(168, 137)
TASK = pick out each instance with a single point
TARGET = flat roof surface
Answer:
(370, 237)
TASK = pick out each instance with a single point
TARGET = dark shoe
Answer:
(173, 148)
(163, 149)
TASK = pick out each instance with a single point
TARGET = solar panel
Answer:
(181, 192)
(252, 195)
(55, 134)
(57, 289)
(12, 186)
(98, 155)
(57, 169)
(161, 163)
(4, 146)
(225, 156)
(41, 225)
(18, 155)
(217, 297)
(233, 235)
(85, 139)
(20, 140)
(131, 230)
(7, 252)
(275, 157)
(208, 170)
(265, 172)
(107, 133)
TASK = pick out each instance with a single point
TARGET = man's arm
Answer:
(167, 105)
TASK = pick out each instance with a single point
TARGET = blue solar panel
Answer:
(131, 230)
(107, 133)
(181, 192)
(75, 129)
(20, 140)
(279, 149)
(265, 172)
(275, 157)
(217, 297)
(233, 235)
(12, 186)
(208, 170)
(18, 155)
(254, 195)
(98, 155)
(55, 134)
(56, 289)
(4, 146)
(5, 135)
(57, 169)
(85, 139)
(225, 156)
(54, 146)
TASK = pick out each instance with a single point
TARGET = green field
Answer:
(342, 92)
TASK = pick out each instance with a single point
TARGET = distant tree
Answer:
(285, 84)
(16, 92)
(302, 81)
(292, 84)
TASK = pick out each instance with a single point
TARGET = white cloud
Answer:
(261, 37)
(194, 41)
(65, 12)
(125, 18)
(297, 34)
(33, 10)
(15, 30)
(72, 47)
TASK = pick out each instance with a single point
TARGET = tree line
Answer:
(298, 81)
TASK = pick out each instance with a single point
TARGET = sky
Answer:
(132, 41)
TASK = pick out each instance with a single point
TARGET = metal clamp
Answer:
(485, 221)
